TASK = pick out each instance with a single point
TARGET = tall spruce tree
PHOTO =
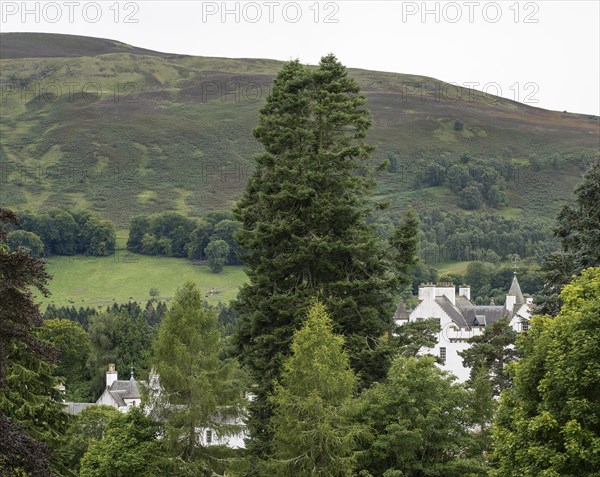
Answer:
(305, 231)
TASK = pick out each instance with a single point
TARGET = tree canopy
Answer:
(314, 429)
(548, 423)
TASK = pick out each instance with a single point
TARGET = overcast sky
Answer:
(545, 53)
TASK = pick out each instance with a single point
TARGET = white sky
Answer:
(545, 53)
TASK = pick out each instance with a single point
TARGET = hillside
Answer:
(95, 123)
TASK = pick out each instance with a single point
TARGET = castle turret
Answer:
(514, 295)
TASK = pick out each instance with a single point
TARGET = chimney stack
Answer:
(465, 290)
(111, 375)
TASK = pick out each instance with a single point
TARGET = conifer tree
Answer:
(197, 392)
(313, 427)
(305, 231)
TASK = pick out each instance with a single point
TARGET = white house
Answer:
(460, 319)
(123, 394)
(120, 394)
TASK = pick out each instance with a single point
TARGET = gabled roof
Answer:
(452, 311)
(473, 314)
(466, 314)
(515, 290)
(463, 301)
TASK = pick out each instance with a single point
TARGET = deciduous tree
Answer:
(420, 424)
(548, 423)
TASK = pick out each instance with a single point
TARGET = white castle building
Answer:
(460, 319)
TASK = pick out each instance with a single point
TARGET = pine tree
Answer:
(197, 392)
(313, 427)
(492, 350)
(305, 231)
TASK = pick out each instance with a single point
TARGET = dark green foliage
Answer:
(216, 253)
(81, 316)
(476, 181)
(479, 275)
(66, 233)
(482, 406)
(457, 237)
(26, 384)
(419, 423)
(121, 336)
(174, 235)
(578, 228)
(96, 236)
(228, 318)
(199, 239)
(492, 351)
(28, 240)
(435, 174)
(410, 338)
(470, 198)
(73, 346)
(548, 423)
(304, 230)
(86, 428)
(29, 397)
(166, 233)
(405, 241)
(129, 448)
(458, 177)
(225, 230)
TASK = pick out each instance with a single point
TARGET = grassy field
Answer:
(451, 267)
(85, 281)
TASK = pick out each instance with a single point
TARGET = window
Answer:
(443, 354)
(209, 437)
(525, 326)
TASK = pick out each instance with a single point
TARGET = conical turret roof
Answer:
(515, 290)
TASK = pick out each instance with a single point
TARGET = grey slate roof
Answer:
(463, 301)
(121, 390)
(472, 314)
(127, 389)
(452, 311)
(465, 314)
